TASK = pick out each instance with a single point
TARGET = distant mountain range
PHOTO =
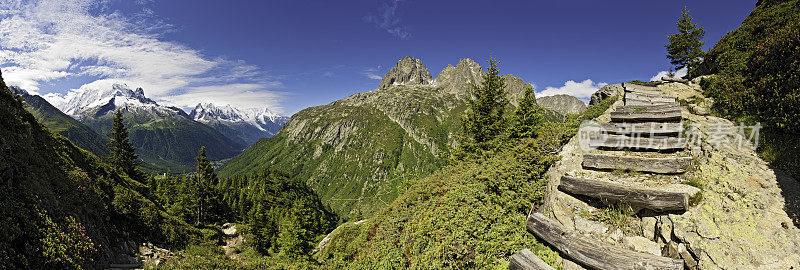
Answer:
(245, 126)
(357, 152)
(166, 138)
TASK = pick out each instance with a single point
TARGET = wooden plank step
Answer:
(665, 116)
(526, 260)
(611, 192)
(643, 129)
(634, 87)
(636, 102)
(648, 108)
(639, 164)
(650, 98)
(592, 253)
(649, 95)
(638, 143)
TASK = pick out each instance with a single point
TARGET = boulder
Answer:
(641, 244)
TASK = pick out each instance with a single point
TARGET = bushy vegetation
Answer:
(470, 214)
(757, 79)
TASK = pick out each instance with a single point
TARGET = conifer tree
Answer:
(208, 199)
(685, 47)
(123, 155)
(483, 121)
(526, 117)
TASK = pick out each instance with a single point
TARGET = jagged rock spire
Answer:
(408, 71)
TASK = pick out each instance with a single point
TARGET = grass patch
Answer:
(617, 216)
(695, 182)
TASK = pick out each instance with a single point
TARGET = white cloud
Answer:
(327, 74)
(388, 20)
(48, 40)
(582, 90)
(678, 74)
(372, 73)
(248, 96)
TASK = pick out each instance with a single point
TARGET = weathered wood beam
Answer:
(650, 98)
(678, 80)
(640, 164)
(592, 253)
(633, 116)
(643, 129)
(635, 102)
(666, 107)
(526, 260)
(611, 192)
(638, 143)
(632, 86)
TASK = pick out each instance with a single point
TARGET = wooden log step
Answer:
(666, 107)
(650, 98)
(639, 164)
(611, 192)
(638, 143)
(592, 253)
(643, 129)
(635, 87)
(665, 116)
(678, 80)
(636, 102)
(526, 260)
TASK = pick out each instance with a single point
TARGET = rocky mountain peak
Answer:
(453, 79)
(562, 104)
(408, 71)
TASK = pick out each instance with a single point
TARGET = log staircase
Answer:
(643, 138)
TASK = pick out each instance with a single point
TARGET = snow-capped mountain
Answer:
(165, 137)
(247, 125)
(110, 97)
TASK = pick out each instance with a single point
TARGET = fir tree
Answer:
(526, 117)
(209, 202)
(123, 155)
(483, 121)
(685, 47)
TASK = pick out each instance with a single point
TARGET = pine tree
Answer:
(483, 121)
(209, 203)
(123, 155)
(685, 47)
(526, 117)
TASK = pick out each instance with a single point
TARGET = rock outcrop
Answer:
(611, 90)
(408, 71)
(562, 104)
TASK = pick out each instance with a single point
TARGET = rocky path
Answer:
(650, 187)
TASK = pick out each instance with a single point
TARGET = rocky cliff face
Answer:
(607, 91)
(562, 104)
(408, 71)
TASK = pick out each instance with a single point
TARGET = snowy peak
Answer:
(92, 96)
(263, 119)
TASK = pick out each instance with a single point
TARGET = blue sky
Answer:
(289, 55)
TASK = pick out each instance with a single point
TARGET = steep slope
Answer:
(165, 137)
(245, 126)
(62, 208)
(357, 151)
(64, 125)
